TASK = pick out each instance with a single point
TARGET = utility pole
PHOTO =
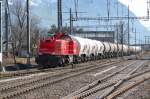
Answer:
(59, 12)
(135, 39)
(6, 27)
(128, 32)
(71, 22)
(1, 34)
(148, 8)
(28, 32)
(117, 42)
(117, 33)
(122, 39)
(145, 44)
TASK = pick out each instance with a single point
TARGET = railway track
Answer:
(30, 85)
(53, 71)
(108, 86)
(122, 90)
(34, 71)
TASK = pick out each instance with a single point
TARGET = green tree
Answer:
(65, 30)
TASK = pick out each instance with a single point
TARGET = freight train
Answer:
(62, 49)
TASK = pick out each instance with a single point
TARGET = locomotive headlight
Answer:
(40, 53)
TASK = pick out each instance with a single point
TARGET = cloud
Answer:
(33, 3)
(53, 1)
(10, 2)
(139, 8)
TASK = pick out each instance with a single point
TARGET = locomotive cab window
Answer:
(48, 41)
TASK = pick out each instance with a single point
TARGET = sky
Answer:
(139, 8)
(49, 16)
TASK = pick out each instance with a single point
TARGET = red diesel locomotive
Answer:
(57, 50)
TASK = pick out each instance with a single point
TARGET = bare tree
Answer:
(35, 33)
(19, 24)
(19, 36)
(53, 29)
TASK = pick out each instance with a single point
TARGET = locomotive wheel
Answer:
(86, 59)
(61, 62)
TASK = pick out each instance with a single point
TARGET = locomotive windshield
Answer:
(51, 34)
(48, 41)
